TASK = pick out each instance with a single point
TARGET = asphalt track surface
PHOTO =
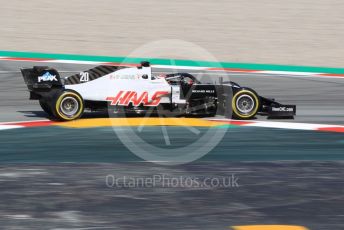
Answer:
(76, 196)
(39, 191)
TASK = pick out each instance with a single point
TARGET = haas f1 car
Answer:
(136, 90)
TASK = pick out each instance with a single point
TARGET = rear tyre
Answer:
(68, 106)
(46, 108)
(245, 104)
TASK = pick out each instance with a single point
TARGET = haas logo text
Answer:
(126, 97)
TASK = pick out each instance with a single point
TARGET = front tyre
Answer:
(68, 106)
(245, 104)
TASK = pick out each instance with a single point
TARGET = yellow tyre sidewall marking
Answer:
(237, 113)
(58, 102)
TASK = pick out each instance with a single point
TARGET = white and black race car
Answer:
(136, 90)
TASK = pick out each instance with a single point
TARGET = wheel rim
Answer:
(245, 104)
(69, 106)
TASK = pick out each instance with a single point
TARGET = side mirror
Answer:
(145, 64)
(144, 76)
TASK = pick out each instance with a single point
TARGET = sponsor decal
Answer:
(124, 76)
(126, 97)
(282, 109)
(203, 91)
(47, 77)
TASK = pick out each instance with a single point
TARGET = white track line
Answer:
(15, 122)
(286, 125)
(279, 125)
(6, 127)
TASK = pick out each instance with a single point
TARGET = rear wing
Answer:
(41, 77)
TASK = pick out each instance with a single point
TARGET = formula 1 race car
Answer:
(136, 90)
